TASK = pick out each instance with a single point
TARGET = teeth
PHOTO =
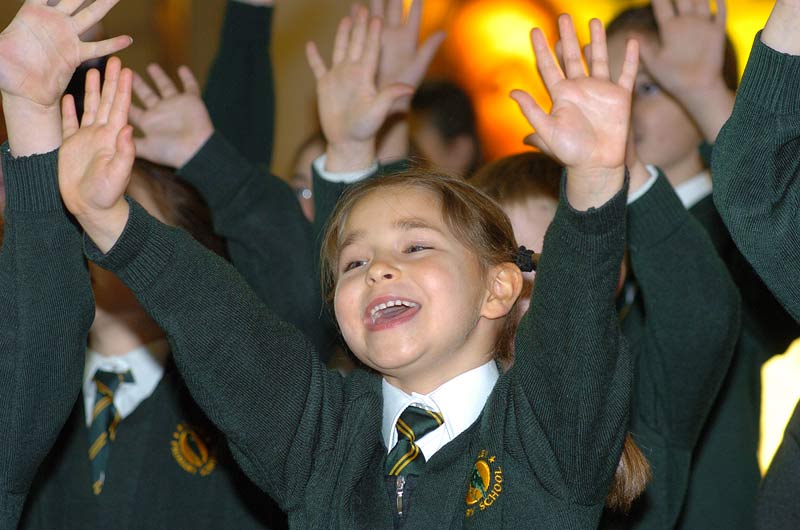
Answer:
(392, 303)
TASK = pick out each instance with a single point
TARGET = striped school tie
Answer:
(405, 457)
(105, 419)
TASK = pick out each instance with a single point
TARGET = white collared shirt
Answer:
(694, 190)
(146, 365)
(460, 401)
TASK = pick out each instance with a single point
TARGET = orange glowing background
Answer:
(488, 52)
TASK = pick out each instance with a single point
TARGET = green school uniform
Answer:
(548, 440)
(682, 328)
(755, 163)
(46, 308)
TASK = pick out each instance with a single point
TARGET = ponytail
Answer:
(631, 478)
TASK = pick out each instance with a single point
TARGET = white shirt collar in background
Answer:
(460, 401)
(146, 365)
(694, 190)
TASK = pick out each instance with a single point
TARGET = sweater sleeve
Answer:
(46, 309)
(572, 374)
(268, 239)
(257, 378)
(240, 92)
(756, 167)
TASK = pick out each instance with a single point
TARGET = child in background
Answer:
(683, 95)
(755, 188)
(45, 305)
(538, 445)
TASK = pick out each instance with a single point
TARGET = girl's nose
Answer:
(379, 271)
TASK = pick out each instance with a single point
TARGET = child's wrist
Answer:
(350, 156)
(32, 128)
(104, 227)
(588, 188)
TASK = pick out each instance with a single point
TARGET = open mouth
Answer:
(385, 313)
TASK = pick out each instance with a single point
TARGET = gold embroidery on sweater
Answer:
(191, 452)
(485, 484)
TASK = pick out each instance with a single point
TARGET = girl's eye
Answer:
(416, 248)
(646, 89)
(353, 265)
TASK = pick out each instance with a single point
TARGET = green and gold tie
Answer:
(405, 457)
(105, 419)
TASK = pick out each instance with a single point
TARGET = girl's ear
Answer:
(504, 284)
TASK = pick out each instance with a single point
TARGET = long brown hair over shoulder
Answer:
(479, 224)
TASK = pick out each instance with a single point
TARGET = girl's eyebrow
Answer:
(414, 223)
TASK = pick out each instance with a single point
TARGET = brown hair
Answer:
(643, 20)
(630, 479)
(519, 177)
(181, 204)
(474, 219)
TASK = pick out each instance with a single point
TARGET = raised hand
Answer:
(351, 108)
(175, 123)
(41, 48)
(587, 127)
(403, 59)
(96, 158)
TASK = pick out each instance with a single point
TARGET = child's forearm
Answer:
(780, 33)
(32, 129)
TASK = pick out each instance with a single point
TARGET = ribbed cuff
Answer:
(595, 221)
(655, 215)
(31, 182)
(217, 170)
(141, 253)
(245, 22)
(771, 80)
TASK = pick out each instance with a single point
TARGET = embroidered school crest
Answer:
(191, 451)
(485, 484)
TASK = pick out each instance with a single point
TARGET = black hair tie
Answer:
(525, 259)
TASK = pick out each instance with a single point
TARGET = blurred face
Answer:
(112, 297)
(302, 180)
(664, 133)
(409, 297)
(452, 157)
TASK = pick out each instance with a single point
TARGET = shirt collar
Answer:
(459, 400)
(145, 363)
(694, 190)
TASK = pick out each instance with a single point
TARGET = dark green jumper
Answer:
(550, 433)
(756, 165)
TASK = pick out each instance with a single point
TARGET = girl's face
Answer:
(410, 299)
(664, 133)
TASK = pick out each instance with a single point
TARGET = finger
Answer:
(599, 50)
(163, 83)
(559, 51)
(68, 6)
(722, 13)
(386, 98)
(536, 116)
(703, 8)
(423, 59)
(587, 53)
(91, 97)
(573, 64)
(135, 116)
(69, 117)
(630, 66)
(315, 61)
(113, 68)
(648, 50)
(92, 14)
(663, 11)
(189, 81)
(394, 13)
(372, 50)
(684, 7)
(342, 40)
(93, 50)
(359, 35)
(548, 69)
(146, 95)
(376, 8)
(414, 20)
(118, 116)
(119, 168)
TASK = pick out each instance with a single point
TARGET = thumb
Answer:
(121, 164)
(386, 98)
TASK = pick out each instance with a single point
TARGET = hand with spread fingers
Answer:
(587, 127)
(351, 107)
(175, 124)
(96, 158)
